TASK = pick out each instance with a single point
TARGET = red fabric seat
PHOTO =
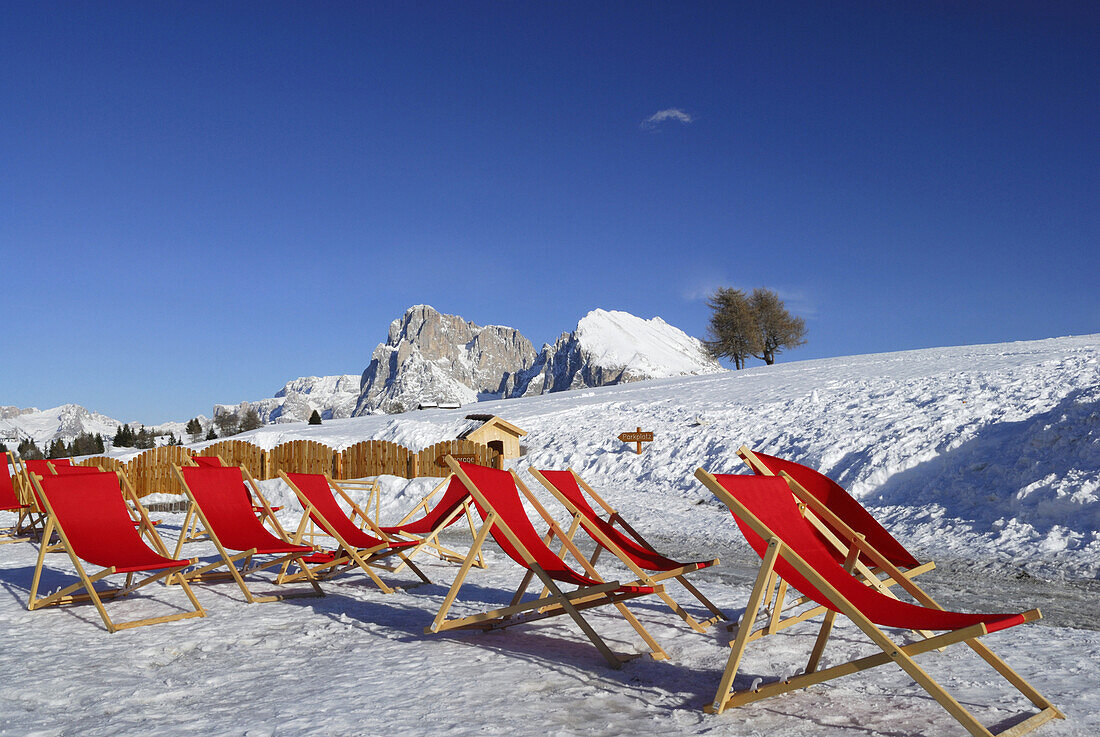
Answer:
(833, 496)
(207, 461)
(325, 509)
(770, 500)
(92, 513)
(499, 489)
(451, 500)
(643, 557)
(8, 499)
(76, 470)
(217, 491)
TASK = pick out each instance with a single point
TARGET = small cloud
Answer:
(673, 114)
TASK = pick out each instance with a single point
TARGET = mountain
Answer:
(432, 357)
(613, 347)
(333, 397)
(64, 422)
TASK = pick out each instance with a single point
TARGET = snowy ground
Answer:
(986, 458)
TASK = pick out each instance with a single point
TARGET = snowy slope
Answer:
(982, 457)
(43, 426)
(331, 396)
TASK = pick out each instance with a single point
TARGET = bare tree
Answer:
(732, 329)
(776, 329)
(250, 420)
(227, 423)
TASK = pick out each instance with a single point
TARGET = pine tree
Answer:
(315, 418)
(732, 329)
(194, 429)
(211, 435)
(28, 450)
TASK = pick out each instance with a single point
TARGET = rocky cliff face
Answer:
(432, 357)
(611, 347)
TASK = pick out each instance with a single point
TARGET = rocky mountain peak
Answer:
(429, 356)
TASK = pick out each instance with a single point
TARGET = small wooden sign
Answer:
(441, 459)
(638, 437)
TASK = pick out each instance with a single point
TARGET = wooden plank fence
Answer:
(375, 457)
(107, 464)
(151, 472)
(240, 453)
(430, 460)
(301, 456)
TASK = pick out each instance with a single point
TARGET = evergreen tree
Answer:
(99, 448)
(28, 450)
(57, 449)
(194, 429)
(250, 420)
(315, 418)
(144, 439)
(3, 448)
(211, 435)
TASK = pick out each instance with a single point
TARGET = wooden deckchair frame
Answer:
(430, 541)
(775, 603)
(36, 513)
(348, 556)
(891, 651)
(87, 582)
(643, 576)
(555, 602)
(15, 533)
(248, 566)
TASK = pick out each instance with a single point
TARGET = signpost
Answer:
(441, 459)
(637, 438)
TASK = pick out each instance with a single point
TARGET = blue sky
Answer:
(200, 201)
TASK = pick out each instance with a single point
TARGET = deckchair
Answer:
(12, 500)
(783, 529)
(89, 514)
(227, 518)
(496, 496)
(631, 548)
(355, 548)
(190, 532)
(455, 502)
(832, 495)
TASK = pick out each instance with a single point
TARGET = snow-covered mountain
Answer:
(333, 397)
(432, 357)
(65, 423)
(613, 347)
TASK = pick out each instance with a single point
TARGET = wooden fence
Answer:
(374, 457)
(240, 453)
(107, 464)
(301, 456)
(430, 460)
(151, 472)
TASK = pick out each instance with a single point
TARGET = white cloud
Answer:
(662, 116)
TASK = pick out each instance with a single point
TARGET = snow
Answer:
(649, 348)
(984, 458)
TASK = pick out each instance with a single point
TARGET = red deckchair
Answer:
(833, 496)
(496, 496)
(90, 516)
(425, 530)
(630, 547)
(226, 516)
(12, 500)
(355, 547)
(786, 535)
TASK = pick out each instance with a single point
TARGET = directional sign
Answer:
(441, 459)
(638, 437)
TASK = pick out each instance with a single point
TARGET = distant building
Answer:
(500, 435)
